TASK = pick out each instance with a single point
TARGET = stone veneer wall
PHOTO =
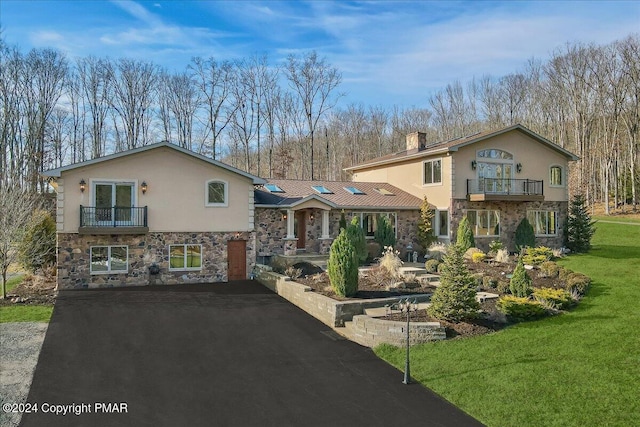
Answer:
(371, 331)
(511, 213)
(144, 250)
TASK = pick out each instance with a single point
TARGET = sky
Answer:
(389, 52)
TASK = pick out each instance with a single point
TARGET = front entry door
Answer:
(236, 260)
(300, 228)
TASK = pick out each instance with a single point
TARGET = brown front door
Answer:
(237, 259)
(301, 228)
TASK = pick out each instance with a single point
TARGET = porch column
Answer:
(325, 225)
(290, 224)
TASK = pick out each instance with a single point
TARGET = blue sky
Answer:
(389, 52)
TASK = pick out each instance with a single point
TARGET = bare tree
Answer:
(95, 82)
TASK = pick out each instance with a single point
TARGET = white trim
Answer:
(185, 268)
(108, 271)
(563, 176)
(432, 184)
(226, 194)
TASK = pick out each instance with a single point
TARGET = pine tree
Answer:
(384, 235)
(343, 266)
(358, 239)
(525, 236)
(343, 221)
(520, 284)
(425, 225)
(579, 228)
(464, 238)
(455, 299)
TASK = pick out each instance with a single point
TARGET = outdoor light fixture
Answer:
(284, 215)
(474, 164)
(519, 167)
(311, 217)
(144, 187)
(83, 185)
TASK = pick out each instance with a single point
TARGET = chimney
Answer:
(416, 141)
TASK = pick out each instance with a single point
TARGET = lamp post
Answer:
(407, 306)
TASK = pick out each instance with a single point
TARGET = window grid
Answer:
(109, 259)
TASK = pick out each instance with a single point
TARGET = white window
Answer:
(185, 257)
(484, 222)
(556, 176)
(216, 193)
(442, 223)
(432, 171)
(545, 223)
(369, 222)
(109, 259)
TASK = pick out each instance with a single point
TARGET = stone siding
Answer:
(371, 331)
(511, 213)
(74, 252)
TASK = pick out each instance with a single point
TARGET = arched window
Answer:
(556, 176)
(494, 154)
(216, 193)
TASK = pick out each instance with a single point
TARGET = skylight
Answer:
(384, 192)
(321, 189)
(272, 188)
(354, 190)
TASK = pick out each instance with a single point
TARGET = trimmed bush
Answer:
(556, 298)
(564, 273)
(38, 247)
(478, 257)
(525, 236)
(440, 268)
(431, 265)
(384, 234)
(520, 284)
(464, 237)
(437, 251)
(468, 254)
(578, 282)
(536, 256)
(519, 309)
(358, 239)
(495, 246)
(343, 266)
(549, 269)
(455, 299)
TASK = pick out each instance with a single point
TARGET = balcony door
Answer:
(495, 177)
(114, 202)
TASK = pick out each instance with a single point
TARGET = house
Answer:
(297, 216)
(495, 178)
(155, 209)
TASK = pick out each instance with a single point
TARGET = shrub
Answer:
(478, 257)
(536, 256)
(502, 256)
(489, 282)
(579, 228)
(431, 265)
(391, 262)
(343, 266)
(525, 236)
(518, 309)
(520, 284)
(437, 251)
(495, 246)
(468, 254)
(425, 224)
(440, 268)
(293, 272)
(384, 234)
(503, 287)
(578, 282)
(343, 221)
(455, 298)
(478, 277)
(549, 269)
(358, 239)
(555, 298)
(564, 273)
(38, 247)
(464, 238)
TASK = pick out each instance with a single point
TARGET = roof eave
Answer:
(425, 153)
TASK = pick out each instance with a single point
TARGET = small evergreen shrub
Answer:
(520, 284)
(343, 221)
(520, 309)
(502, 256)
(549, 269)
(525, 236)
(437, 251)
(503, 287)
(425, 224)
(489, 282)
(431, 265)
(536, 256)
(478, 277)
(464, 237)
(556, 298)
(343, 266)
(391, 262)
(478, 257)
(564, 273)
(495, 246)
(358, 239)
(384, 234)
(469, 253)
(440, 268)
(578, 282)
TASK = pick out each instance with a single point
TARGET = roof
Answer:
(455, 144)
(296, 192)
(56, 172)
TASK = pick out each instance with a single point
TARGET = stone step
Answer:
(484, 296)
(414, 270)
(428, 277)
(376, 311)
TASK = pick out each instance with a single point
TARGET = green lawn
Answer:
(578, 369)
(624, 218)
(23, 313)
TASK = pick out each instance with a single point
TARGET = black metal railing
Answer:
(116, 216)
(505, 186)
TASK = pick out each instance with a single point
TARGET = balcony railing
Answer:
(504, 188)
(113, 217)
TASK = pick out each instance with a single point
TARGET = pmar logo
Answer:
(110, 408)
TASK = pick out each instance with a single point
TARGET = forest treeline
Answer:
(282, 120)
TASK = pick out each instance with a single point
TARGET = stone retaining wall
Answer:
(371, 331)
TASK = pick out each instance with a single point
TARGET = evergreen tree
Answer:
(343, 266)
(425, 225)
(343, 221)
(520, 284)
(464, 238)
(455, 299)
(358, 239)
(384, 235)
(525, 236)
(579, 228)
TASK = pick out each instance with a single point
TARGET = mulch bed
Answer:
(34, 290)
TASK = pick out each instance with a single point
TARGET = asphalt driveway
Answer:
(214, 355)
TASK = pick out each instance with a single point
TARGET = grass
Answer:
(23, 313)
(622, 218)
(578, 369)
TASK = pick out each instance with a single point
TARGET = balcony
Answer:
(113, 220)
(506, 189)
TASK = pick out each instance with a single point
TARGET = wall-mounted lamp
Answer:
(474, 164)
(284, 215)
(83, 185)
(144, 187)
(519, 167)
(311, 217)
